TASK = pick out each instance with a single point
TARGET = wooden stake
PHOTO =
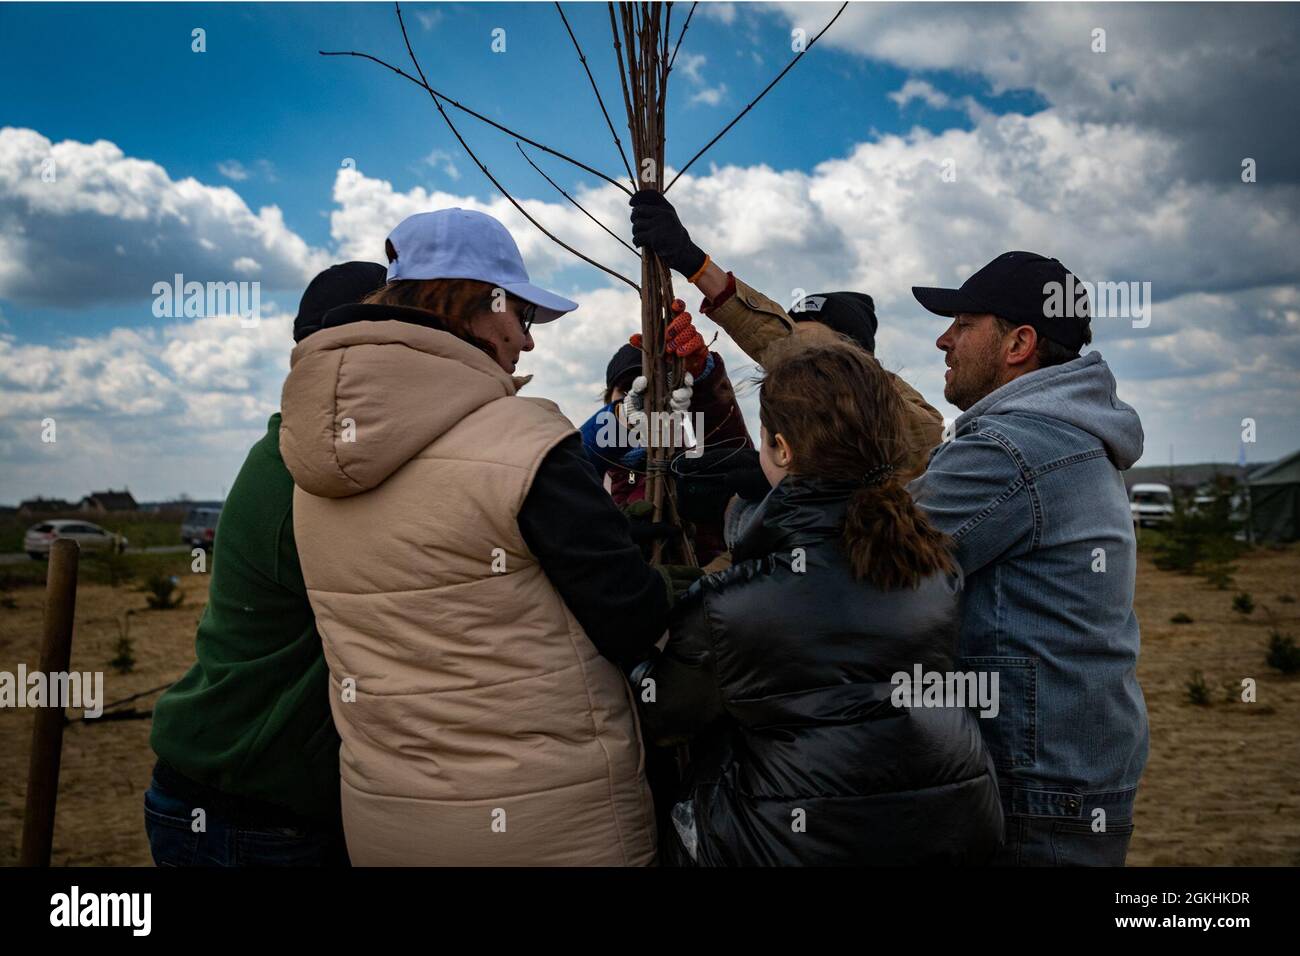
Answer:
(47, 732)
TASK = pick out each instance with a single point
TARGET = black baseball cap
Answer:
(1023, 288)
(341, 284)
(848, 313)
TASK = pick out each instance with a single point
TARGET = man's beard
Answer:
(977, 377)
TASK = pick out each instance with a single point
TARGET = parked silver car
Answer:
(91, 537)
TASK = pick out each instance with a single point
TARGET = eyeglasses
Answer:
(527, 316)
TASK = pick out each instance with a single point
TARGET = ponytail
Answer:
(889, 541)
(843, 418)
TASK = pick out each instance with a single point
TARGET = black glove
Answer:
(678, 579)
(745, 476)
(705, 484)
(645, 531)
(648, 532)
(655, 225)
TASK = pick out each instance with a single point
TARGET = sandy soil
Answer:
(1222, 786)
(100, 816)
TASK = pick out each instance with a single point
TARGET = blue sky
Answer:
(262, 97)
(227, 165)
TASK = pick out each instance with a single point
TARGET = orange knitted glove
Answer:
(685, 341)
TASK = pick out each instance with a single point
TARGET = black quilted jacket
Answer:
(778, 673)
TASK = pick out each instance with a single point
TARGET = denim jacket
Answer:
(1029, 488)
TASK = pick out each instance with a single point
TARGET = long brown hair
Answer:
(453, 302)
(843, 419)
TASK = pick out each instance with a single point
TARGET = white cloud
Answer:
(690, 65)
(233, 169)
(722, 12)
(1109, 199)
(367, 209)
(441, 160)
(1210, 75)
(919, 90)
(926, 93)
(52, 234)
(163, 410)
(710, 95)
(236, 171)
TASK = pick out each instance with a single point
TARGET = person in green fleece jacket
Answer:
(246, 735)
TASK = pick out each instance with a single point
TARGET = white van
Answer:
(200, 527)
(1151, 505)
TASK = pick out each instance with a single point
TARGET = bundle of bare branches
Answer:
(642, 30)
(641, 33)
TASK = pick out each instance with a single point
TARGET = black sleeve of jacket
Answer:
(584, 545)
(685, 682)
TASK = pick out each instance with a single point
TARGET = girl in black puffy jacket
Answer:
(805, 748)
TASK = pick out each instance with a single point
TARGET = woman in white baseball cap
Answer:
(464, 267)
(475, 588)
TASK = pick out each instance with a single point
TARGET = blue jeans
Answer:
(168, 821)
(1062, 829)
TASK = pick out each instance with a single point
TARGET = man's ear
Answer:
(1023, 345)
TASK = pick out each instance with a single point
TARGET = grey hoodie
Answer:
(1030, 490)
(1080, 393)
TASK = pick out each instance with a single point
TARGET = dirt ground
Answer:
(1222, 786)
(105, 770)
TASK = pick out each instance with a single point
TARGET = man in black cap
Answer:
(1029, 489)
(755, 322)
(1020, 300)
(246, 735)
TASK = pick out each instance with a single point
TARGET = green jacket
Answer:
(251, 718)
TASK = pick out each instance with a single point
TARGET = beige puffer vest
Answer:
(484, 727)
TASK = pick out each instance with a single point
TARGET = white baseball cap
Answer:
(463, 244)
